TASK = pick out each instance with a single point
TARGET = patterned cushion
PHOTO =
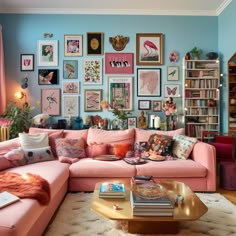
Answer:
(70, 148)
(161, 144)
(183, 146)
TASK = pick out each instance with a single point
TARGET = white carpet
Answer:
(75, 218)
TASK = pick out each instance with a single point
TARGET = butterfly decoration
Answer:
(172, 91)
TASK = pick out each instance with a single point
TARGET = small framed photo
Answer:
(92, 71)
(27, 62)
(120, 92)
(47, 52)
(70, 69)
(119, 63)
(149, 49)
(144, 104)
(71, 106)
(132, 122)
(94, 43)
(92, 100)
(73, 45)
(149, 82)
(48, 76)
(172, 73)
(51, 101)
(172, 90)
(157, 106)
(71, 87)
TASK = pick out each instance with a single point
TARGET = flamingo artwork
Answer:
(150, 47)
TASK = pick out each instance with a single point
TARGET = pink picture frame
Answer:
(51, 101)
(119, 63)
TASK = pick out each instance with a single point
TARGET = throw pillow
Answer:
(183, 146)
(96, 150)
(161, 144)
(15, 154)
(67, 149)
(34, 140)
(120, 149)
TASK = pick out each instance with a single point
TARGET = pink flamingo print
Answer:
(149, 45)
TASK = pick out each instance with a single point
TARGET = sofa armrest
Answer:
(9, 144)
(205, 154)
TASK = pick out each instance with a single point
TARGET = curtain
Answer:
(2, 77)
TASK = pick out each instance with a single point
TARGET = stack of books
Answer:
(149, 199)
(112, 190)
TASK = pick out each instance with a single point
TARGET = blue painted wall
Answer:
(227, 47)
(21, 32)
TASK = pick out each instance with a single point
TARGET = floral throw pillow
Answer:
(161, 144)
(67, 149)
(183, 146)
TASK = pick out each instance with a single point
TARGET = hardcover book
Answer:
(111, 189)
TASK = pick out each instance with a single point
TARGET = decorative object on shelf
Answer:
(27, 62)
(172, 73)
(196, 53)
(78, 123)
(187, 56)
(149, 49)
(40, 120)
(142, 123)
(95, 43)
(173, 57)
(170, 110)
(132, 122)
(73, 45)
(212, 55)
(118, 42)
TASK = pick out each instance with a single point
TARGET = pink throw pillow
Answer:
(96, 150)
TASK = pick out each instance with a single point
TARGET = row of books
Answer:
(112, 190)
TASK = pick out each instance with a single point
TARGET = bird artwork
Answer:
(151, 49)
(172, 73)
(46, 79)
(51, 100)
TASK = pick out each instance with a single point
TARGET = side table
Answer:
(228, 175)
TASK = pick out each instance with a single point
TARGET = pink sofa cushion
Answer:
(110, 137)
(142, 135)
(96, 150)
(76, 134)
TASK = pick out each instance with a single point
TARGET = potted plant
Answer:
(21, 118)
(196, 53)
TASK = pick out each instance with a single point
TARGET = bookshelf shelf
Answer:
(201, 97)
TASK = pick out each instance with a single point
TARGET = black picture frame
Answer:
(48, 76)
(95, 43)
(27, 62)
(144, 104)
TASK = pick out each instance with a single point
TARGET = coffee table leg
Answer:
(153, 227)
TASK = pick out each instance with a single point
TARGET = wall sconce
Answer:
(21, 95)
(47, 35)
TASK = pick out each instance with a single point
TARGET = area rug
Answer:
(74, 218)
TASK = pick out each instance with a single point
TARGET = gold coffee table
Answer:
(191, 209)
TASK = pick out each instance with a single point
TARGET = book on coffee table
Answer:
(112, 189)
(7, 198)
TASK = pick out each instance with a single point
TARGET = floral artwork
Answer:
(132, 122)
(71, 87)
(73, 45)
(92, 71)
(71, 106)
(50, 101)
(173, 57)
(70, 69)
(27, 62)
(48, 53)
(92, 100)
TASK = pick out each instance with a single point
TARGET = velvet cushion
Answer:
(223, 150)
(67, 149)
(120, 149)
(34, 140)
(183, 146)
(161, 144)
(96, 150)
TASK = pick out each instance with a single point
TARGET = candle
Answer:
(151, 121)
(157, 122)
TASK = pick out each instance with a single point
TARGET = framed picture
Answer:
(73, 45)
(70, 69)
(71, 106)
(172, 73)
(92, 71)
(50, 101)
(48, 76)
(172, 90)
(149, 49)
(132, 122)
(94, 43)
(71, 87)
(120, 92)
(47, 52)
(157, 106)
(119, 63)
(149, 82)
(144, 104)
(27, 62)
(92, 99)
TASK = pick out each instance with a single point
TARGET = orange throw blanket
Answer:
(26, 186)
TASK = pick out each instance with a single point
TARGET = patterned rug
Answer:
(75, 218)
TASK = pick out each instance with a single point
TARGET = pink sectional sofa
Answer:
(28, 217)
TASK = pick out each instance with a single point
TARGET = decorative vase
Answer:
(122, 124)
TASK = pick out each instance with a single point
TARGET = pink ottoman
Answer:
(228, 175)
